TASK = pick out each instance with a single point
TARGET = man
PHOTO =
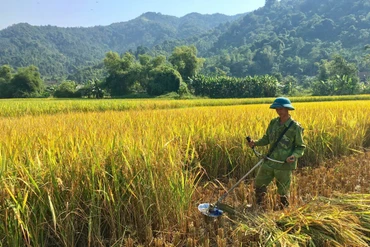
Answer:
(290, 147)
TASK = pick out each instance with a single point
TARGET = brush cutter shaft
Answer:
(237, 183)
(266, 157)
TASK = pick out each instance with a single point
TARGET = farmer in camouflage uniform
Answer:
(289, 149)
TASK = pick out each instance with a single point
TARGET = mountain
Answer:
(291, 37)
(59, 51)
(285, 37)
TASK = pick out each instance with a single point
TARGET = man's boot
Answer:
(260, 195)
(284, 203)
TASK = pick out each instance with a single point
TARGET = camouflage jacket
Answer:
(290, 144)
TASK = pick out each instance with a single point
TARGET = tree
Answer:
(141, 50)
(112, 62)
(184, 59)
(123, 72)
(339, 66)
(91, 89)
(337, 77)
(289, 83)
(164, 79)
(158, 61)
(323, 88)
(147, 64)
(264, 60)
(5, 79)
(367, 56)
(85, 74)
(269, 85)
(144, 59)
(6, 72)
(27, 82)
(324, 73)
(66, 89)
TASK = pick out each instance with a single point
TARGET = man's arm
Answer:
(300, 146)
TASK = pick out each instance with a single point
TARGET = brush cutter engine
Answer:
(210, 210)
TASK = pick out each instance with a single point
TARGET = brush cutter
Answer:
(217, 209)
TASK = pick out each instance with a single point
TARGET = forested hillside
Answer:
(290, 36)
(61, 51)
(283, 38)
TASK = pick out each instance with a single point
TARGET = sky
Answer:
(88, 13)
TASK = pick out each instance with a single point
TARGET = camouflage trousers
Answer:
(266, 174)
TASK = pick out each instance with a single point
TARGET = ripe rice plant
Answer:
(104, 176)
(23, 107)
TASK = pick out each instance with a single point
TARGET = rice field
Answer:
(131, 173)
(23, 107)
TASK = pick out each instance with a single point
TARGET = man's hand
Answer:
(250, 141)
(251, 144)
(290, 159)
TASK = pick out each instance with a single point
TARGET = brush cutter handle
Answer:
(264, 156)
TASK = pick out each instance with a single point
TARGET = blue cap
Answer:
(282, 102)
